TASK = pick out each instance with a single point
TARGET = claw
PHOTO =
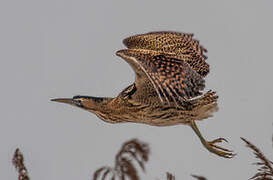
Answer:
(210, 145)
(218, 140)
(221, 148)
(223, 152)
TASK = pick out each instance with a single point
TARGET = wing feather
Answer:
(175, 44)
(172, 79)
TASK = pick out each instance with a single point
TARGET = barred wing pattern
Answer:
(173, 79)
(174, 44)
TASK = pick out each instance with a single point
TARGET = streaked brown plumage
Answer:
(169, 76)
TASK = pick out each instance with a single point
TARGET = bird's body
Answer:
(125, 108)
(169, 76)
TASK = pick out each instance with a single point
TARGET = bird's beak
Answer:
(64, 100)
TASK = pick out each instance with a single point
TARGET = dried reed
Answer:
(199, 177)
(18, 162)
(170, 176)
(131, 151)
(265, 171)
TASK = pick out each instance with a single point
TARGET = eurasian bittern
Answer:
(169, 76)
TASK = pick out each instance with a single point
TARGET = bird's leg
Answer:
(210, 145)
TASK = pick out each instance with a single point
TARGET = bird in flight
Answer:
(169, 78)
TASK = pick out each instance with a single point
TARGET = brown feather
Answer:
(178, 45)
(173, 79)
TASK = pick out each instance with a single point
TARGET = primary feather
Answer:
(175, 44)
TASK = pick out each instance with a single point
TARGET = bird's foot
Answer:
(220, 151)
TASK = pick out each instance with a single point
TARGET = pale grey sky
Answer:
(61, 48)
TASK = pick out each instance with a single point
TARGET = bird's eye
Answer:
(77, 102)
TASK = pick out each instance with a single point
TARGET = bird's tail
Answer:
(205, 105)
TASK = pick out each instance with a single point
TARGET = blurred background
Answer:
(62, 48)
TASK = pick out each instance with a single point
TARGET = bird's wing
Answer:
(175, 44)
(172, 79)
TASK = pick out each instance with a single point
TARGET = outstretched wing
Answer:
(174, 44)
(172, 79)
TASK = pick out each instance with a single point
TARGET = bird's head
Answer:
(85, 102)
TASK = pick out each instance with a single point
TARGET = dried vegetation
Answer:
(132, 157)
